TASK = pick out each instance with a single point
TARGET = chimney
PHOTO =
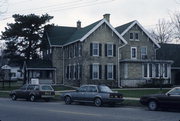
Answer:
(78, 24)
(107, 17)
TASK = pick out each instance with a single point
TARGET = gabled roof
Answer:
(40, 64)
(61, 36)
(58, 35)
(123, 29)
(169, 52)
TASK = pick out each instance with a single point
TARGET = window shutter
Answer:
(100, 49)
(105, 74)
(91, 48)
(114, 50)
(100, 71)
(114, 71)
(91, 72)
(105, 50)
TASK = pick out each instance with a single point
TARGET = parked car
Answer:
(97, 94)
(33, 91)
(169, 100)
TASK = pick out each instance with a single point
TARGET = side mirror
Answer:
(168, 94)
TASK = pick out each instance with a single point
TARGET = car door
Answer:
(79, 95)
(29, 90)
(91, 93)
(174, 97)
(21, 92)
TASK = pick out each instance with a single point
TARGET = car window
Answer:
(104, 89)
(23, 87)
(92, 89)
(46, 87)
(83, 89)
(30, 87)
(175, 91)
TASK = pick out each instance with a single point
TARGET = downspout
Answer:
(63, 66)
(119, 81)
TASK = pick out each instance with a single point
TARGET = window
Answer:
(13, 74)
(157, 70)
(150, 70)
(165, 70)
(95, 71)
(136, 36)
(145, 70)
(95, 49)
(131, 36)
(110, 50)
(110, 71)
(92, 89)
(143, 52)
(133, 53)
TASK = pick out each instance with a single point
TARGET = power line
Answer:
(65, 6)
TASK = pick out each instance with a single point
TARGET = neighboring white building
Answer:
(14, 72)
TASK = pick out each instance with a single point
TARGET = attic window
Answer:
(131, 36)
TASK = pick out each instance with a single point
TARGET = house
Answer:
(102, 54)
(171, 52)
(41, 70)
(138, 62)
(12, 72)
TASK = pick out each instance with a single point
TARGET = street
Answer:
(22, 110)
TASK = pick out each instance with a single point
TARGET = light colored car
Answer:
(97, 94)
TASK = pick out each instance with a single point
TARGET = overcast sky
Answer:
(68, 12)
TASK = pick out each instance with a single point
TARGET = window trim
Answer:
(142, 54)
(132, 36)
(135, 52)
(97, 49)
(93, 70)
(112, 48)
(136, 33)
(110, 64)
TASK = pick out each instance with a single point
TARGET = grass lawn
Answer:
(139, 93)
(4, 94)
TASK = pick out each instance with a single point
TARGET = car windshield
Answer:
(46, 87)
(104, 89)
(174, 91)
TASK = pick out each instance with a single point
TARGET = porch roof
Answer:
(39, 65)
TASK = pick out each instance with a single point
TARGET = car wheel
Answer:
(98, 102)
(152, 105)
(67, 100)
(32, 98)
(13, 97)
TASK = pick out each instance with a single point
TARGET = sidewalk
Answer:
(59, 92)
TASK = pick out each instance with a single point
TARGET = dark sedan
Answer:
(97, 94)
(32, 92)
(169, 100)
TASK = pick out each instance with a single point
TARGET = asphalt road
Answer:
(22, 110)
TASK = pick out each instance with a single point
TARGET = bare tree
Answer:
(175, 20)
(163, 31)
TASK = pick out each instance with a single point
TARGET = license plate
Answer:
(47, 93)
